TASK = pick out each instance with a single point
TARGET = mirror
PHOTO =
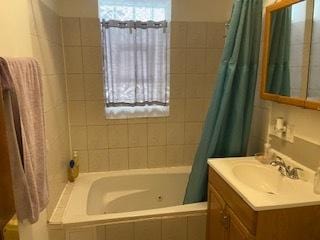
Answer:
(291, 58)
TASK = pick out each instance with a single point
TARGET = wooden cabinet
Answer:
(216, 228)
(223, 224)
(231, 218)
(236, 230)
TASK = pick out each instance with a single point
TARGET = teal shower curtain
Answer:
(278, 81)
(227, 127)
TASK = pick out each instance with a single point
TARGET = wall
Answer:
(34, 31)
(306, 123)
(197, 42)
(191, 226)
(298, 53)
(182, 10)
(314, 83)
(103, 144)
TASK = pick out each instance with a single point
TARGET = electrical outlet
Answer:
(289, 135)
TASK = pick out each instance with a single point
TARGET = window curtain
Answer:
(136, 68)
(278, 81)
(227, 126)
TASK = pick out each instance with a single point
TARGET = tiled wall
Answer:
(31, 28)
(47, 48)
(305, 122)
(298, 63)
(314, 83)
(189, 227)
(261, 111)
(307, 153)
(143, 142)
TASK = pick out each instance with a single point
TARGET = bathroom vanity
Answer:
(249, 200)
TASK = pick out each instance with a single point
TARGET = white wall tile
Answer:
(121, 231)
(197, 227)
(118, 136)
(157, 156)
(97, 137)
(157, 134)
(138, 135)
(76, 87)
(79, 138)
(138, 158)
(93, 86)
(174, 228)
(77, 113)
(98, 160)
(175, 155)
(147, 230)
(118, 159)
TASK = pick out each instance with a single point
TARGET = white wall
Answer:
(182, 10)
(31, 28)
(78, 8)
(201, 10)
(35, 231)
(10, 40)
(307, 122)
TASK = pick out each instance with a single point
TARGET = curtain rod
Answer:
(134, 24)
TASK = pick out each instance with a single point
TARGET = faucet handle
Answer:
(278, 161)
(294, 173)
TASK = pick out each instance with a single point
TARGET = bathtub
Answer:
(98, 199)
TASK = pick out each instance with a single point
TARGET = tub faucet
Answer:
(286, 170)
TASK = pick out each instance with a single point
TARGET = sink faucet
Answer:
(284, 169)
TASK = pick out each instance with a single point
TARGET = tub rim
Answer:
(60, 219)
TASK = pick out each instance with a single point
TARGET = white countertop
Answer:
(293, 193)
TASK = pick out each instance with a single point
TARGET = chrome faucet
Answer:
(286, 170)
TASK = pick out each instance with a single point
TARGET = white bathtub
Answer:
(112, 197)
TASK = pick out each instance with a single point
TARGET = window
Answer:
(136, 64)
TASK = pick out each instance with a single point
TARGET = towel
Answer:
(26, 131)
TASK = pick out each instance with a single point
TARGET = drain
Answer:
(160, 198)
(271, 193)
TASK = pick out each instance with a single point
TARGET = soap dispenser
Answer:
(267, 155)
(316, 184)
(73, 168)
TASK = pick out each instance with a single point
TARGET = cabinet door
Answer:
(237, 231)
(216, 229)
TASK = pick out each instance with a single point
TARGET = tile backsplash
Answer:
(300, 150)
(103, 144)
(47, 47)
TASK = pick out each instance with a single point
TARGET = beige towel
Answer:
(25, 121)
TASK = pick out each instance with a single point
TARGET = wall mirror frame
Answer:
(299, 101)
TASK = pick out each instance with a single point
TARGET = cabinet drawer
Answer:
(244, 212)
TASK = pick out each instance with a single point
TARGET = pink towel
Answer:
(25, 120)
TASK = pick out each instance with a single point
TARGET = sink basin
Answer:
(259, 178)
(262, 186)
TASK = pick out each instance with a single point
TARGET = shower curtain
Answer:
(228, 121)
(278, 81)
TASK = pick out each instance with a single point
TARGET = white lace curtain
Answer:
(135, 57)
(135, 69)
